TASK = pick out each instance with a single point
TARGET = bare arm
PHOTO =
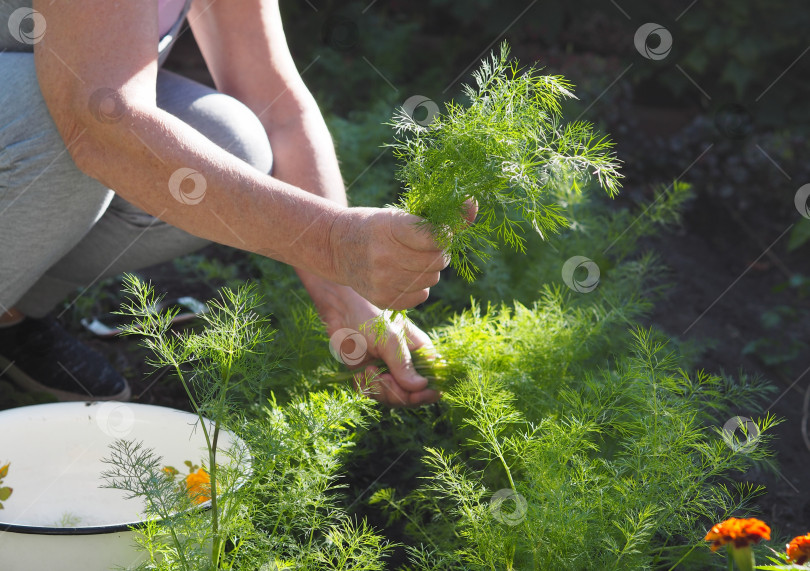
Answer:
(98, 44)
(244, 45)
(246, 51)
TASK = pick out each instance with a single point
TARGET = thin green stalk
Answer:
(499, 454)
(399, 509)
(212, 455)
(207, 437)
(684, 556)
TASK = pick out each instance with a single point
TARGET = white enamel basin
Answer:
(57, 516)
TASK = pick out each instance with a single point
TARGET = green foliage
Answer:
(563, 442)
(552, 396)
(11, 396)
(782, 563)
(368, 170)
(276, 502)
(507, 150)
(617, 470)
(296, 507)
(200, 268)
(609, 237)
(731, 51)
(363, 51)
(97, 299)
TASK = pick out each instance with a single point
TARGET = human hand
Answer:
(386, 256)
(400, 385)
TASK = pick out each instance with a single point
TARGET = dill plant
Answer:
(274, 500)
(562, 399)
(218, 358)
(618, 465)
(559, 398)
(508, 150)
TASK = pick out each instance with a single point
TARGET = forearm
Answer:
(304, 156)
(258, 70)
(240, 207)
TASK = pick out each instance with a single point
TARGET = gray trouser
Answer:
(60, 229)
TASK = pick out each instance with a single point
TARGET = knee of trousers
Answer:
(231, 125)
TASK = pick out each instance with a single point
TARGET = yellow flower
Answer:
(798, 550)
(170, 471)
(738, 533)
(198, 486)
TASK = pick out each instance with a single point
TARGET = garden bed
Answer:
(735, 302)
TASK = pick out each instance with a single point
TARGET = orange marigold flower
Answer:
(798, 550)
(198, 486)
(739, 532)
(170, 471)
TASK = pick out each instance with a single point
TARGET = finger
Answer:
(418, 339)
(425, 261)
(418, 284)
(397, 355)
(402, 300)
(426, 396)
(391, 394)
(383, 388)
(413, 232)
(421, 280)
(470, 209)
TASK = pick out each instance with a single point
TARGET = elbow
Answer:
(91, 123)
(80, 145)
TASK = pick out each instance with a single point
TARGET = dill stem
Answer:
(493, 440)
(196, 407)
(216, 546)
(398, 508)
(685, 555)
(212, 455)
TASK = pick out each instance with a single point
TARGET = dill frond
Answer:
(508, 150)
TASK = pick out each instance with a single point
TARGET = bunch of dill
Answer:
(507, 151)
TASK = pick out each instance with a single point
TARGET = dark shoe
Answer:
(38, 355)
